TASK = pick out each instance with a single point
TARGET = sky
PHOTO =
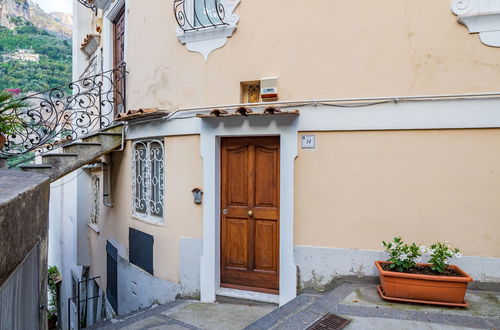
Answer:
(65, 6)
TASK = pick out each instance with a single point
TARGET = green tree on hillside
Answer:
(53, 69)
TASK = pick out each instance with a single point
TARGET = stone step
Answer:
(57, 160)
(30, 166)
(81, 147)
(78, 154)
(293, 308)
(98, 137)
(37, 168)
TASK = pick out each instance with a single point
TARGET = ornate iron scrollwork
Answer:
(148, 166)
(192, 15)
(95, 203)
(65, 113)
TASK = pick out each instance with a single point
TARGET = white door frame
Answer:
(212, 129)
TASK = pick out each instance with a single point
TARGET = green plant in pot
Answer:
(9, 122)
(436, 282)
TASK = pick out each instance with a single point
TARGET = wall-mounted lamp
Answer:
(197, 195)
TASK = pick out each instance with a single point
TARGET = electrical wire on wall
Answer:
(172, 115)
(62, 184)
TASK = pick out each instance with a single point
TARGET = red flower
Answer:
(13, 91)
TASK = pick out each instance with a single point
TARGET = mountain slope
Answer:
(35, 51)
(57, 23)
(52, 69)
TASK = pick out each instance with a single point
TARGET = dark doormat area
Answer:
(329, 322)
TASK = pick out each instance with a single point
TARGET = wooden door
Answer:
(250, 213)
(119, 60)
(119, 39)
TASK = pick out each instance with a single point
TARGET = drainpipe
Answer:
(106, 186)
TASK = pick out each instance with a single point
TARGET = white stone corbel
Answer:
(205, 41)
(480, 16)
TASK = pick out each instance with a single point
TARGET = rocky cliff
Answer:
(58, 23)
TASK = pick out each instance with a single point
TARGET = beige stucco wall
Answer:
(359, 188)
(330, 49)
(183, 218)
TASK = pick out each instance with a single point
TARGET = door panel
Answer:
(266, 190)
(237, 243)
(265, 256)
(250, 213)
(237, 167)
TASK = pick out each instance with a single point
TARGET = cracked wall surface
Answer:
(333, 49)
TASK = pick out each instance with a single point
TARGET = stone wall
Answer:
(24, 203)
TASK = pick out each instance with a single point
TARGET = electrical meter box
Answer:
(269, 89)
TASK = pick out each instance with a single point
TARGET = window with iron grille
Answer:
(95, 189)
(148, 179)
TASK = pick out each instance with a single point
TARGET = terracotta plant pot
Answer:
(427, 289)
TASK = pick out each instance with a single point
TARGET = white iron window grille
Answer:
(95, 188)
(148, 179)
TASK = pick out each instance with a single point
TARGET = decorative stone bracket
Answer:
(206, 40)
(480, 16)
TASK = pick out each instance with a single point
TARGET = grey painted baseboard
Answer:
(323, 268)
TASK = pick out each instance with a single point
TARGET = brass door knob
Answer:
(250, 213)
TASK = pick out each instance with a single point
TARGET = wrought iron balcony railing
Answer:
(193, 15)
(65, 113)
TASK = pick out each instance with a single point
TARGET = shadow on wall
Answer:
(138, 289)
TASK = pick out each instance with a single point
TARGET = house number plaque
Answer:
(308, 141)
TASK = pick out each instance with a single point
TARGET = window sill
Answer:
(155, 221)
(94, 227)
(224, 31)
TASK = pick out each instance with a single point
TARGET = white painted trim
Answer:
(148, 217)
(248, 295)
(480, 16)
(211, 131)
(108, 46)
(432, 114)
(110, 15)
(406, 115)
(93, 227)
(112, 12)
(107, 32)
(120, 249)
(155, 221)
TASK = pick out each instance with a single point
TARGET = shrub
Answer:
(440, 253)
(402, 255)
(9, 123)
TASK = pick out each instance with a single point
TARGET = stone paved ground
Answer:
(361, 304)
(186, 314)
(358, 302)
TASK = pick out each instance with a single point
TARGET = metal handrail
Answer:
(64, 113)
